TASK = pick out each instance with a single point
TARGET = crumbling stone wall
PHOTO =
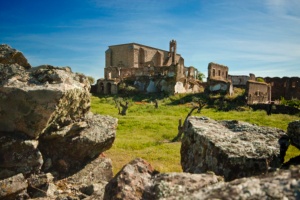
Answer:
(287, 87)
(217, 79)
(239, 80)
(217, 72)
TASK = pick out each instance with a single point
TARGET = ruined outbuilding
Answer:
(148, 69)
(217, 79)
(258, 92)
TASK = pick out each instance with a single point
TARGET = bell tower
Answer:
(173, 46)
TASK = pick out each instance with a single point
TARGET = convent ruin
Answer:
(148, 69)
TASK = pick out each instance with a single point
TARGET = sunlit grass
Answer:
(146, 132)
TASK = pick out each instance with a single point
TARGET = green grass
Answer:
(146, 132)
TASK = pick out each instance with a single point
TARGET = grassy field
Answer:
(147, 132)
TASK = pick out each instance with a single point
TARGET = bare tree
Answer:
(124, 108)
(182, 128)
(120, 105)
(155, 103)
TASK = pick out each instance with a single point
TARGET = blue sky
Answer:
(255, 36)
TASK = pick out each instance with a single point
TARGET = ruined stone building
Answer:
(258, 92)
(217, 79)
(148, 69)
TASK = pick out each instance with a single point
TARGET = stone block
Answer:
(232, 149)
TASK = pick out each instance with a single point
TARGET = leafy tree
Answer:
(200, 76)
(91, 79)
(259, 79)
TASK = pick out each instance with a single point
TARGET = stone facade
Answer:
(217, 78)
(258, 92)
(217, 72)
(287, 87)
(149, 69)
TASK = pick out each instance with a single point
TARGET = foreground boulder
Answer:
(9, 55)
(231, 149)
(51, 145)
(72, 146)
(181, 185)
(293, 131)
(132, 182)
(19, 155)
(137, 180)
(282, 184)
(13, 187)
(41, 99)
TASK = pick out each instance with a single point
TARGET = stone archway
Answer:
(100, 88)
(141, 57)
(108, 88)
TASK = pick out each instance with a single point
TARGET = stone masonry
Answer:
(148, 69)
(231, 149)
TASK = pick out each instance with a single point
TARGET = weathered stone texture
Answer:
(46, 126)
(181, 185)
(12, 187)
(79, 142)
(293, 131)
(9, 55)
(283, 184)
(42, 98)
(41, 185)
(18, 155)
(231, 149)
(132, 182)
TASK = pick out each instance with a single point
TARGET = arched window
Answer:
(158, 59)
(214, 73)
(141, 57)
(108, 88)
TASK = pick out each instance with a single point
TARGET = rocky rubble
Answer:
(232, 149)
(50, 144)
(137, 180)
(282, 184)
(9, 55)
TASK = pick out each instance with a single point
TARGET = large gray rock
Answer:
(18, 155)
(72, 146)
(283, 184)
(132, 182)
(229, 148)
(137, 180)
(41, 99)
(293, 131)
(96, 171)
(181, 185)
(9, 55)
(41, 185)
(13, 187)
(90, 181)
